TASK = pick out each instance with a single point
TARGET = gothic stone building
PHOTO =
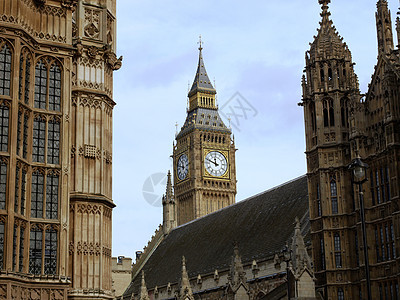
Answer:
(341, 124)
(57, 59)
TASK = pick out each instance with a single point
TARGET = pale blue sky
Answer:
(254, 47)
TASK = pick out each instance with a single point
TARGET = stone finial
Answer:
(237, 274)
(186, 290)
(169, 194)
(300, 260)
(143, 294)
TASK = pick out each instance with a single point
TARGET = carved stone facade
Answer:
(340, 125)
(56, 148)
(204, 155)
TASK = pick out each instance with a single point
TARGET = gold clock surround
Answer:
(225, 154)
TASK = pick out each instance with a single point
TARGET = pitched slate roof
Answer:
(260, 226)
(205, 119)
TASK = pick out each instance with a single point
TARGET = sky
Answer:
(254, 53)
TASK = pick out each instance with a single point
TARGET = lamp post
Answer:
(287, 257)
(359, 167)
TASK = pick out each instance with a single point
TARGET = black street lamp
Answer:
(359, 168)
(287, 256)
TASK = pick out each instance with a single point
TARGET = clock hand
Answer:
(215, 162)
(212, 162)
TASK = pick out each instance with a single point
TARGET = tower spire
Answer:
(384, 27)
(169, 209)
(202, 82)
(325, 10)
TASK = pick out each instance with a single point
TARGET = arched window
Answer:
(334, 196)
(344, 110)
(39, 140)
(53, 142)
(340, 294)
(331, 114)
(24, 76)
(52, 183)
(322, 74)
(313, 117)
(322, 252)
(325, 112)
(330, 75)
(37, 195)
(50, 253)
(35, 250)
(5, 70)
(4, 119)
(47, 85)
(338, 253)
(3, 184)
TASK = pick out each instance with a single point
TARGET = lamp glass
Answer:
(359, 172)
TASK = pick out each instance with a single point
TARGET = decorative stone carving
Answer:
(92, 23)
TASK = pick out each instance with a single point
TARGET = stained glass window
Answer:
(5, 71)
(3, 184)
(37, 195)
(4, 115)
(21, 248)
(40, 85)
(55, 88)
(2, 235)
(52, 197)
(39, 140)
(35, 251)
(50, 254)
(53, 142)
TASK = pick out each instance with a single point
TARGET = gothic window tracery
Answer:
(5, 70)
(340, 294)
(47, 85)
(35, 250)
(3, 184)
(2, 238)
(39, 140)
(333, 188)
(50, 251)
(37, 195)
(344, 111)
(4, 121)
(337, 248)
(21, 248)
(53, 142)
(45, 195)
(24, 76)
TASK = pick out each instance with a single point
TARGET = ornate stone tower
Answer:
(56, 64)
(330, 92)
(204, 155)
(92, 105)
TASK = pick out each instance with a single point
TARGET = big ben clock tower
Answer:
(204, 155)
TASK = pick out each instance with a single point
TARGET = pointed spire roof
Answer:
(300, 260)
(328, 42)
(237, 273)
(169, 191)
(201, 81)
(186, 289)
(143, 295)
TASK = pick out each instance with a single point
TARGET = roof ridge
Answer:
(241, 201)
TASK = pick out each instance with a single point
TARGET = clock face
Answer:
(182, 166)
(215, 163)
